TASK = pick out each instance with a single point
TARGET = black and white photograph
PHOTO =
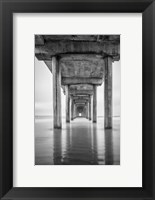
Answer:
(77, 113)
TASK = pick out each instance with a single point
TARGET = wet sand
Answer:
(79, 143)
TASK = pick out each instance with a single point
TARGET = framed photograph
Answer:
(70, 127)
(77, 99)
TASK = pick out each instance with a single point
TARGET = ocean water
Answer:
(79, 142)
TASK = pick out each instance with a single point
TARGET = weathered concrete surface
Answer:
(73, 75)
(81, 89)
(93, 38)
(39, 40)
(81, 101)
(81, 57)
(92, 68)
(80, 104)
(79, 80)
(90, 108)
(87, 110)
(53, 47)
(72, 109)
(56, 93)
(82, 86)
(94, 104)
(108, 93)
(81, 92)
(67, 104)
(80, 97)
(82, 69)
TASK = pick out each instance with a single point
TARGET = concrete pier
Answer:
(90, 108)
(94, 104)
(108, 93)
(87, 110)
(67, 104)
(80, 63)
(56, 93)
(72, 109)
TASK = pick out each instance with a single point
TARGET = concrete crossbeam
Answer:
(79, 80)
(74, 92)
(52, 48)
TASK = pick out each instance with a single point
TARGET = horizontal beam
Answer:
(54, 48)
(81, 95)
(81, 101)
(80, 104)
(80, 57)
(95, 38)
(80, 98)
(80, 80)
(81, 92)
(74, 81)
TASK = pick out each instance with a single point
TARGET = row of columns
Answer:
(73, 113)
(57, 96)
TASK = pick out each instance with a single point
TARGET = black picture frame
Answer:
(7, 8)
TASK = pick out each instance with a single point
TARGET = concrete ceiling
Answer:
(77, 69)
(41, 39)
(81, 58)
(54, 45)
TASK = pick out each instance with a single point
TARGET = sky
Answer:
(44, 91)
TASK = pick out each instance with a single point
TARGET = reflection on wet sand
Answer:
(79, 143)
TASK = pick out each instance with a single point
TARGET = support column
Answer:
(108, 93)
(76, 111)
(87, 110)
(56, 71)
(67, 104)
(90, 108)
(72, 109)
(94, 104)
(74, 116)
